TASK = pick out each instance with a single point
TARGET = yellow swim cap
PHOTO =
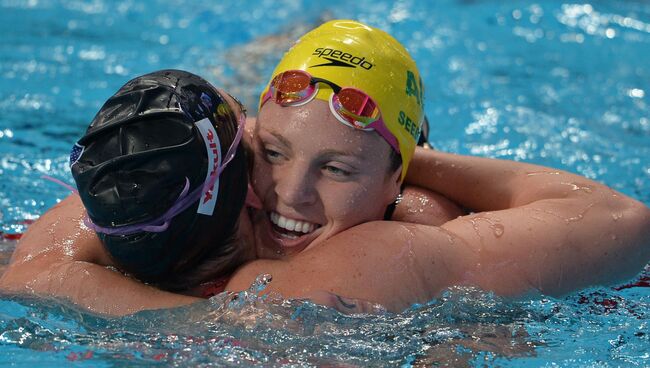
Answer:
(352, 54)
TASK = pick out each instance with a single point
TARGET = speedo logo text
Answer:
(340, 58)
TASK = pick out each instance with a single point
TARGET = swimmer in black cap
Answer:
(160, 172)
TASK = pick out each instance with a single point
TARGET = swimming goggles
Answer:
(350, 106)
(184, 200)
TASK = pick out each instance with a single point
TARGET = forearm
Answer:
(96, 288)
(485, 184)
(423, 206)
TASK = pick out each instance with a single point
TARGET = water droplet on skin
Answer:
(575, 218)
(580, 215)
(576, 187)
(260, 283)
(617, 216)
(534, 173)
(474, 223)
(82, 225)
(497, 229)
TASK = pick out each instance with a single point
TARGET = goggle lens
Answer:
(349, 105)
(357, 106)
(291, 87)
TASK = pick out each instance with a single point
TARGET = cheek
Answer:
(355, 204)
(261, 177)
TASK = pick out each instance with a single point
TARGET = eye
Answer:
(337, 171)
(271, 155)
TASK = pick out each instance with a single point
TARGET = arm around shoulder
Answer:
(58, 256)
(538, 227)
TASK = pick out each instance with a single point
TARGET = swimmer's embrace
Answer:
(521, 236)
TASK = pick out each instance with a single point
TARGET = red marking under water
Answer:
(78, 356)
(15, 236)
(607, 303)
(233, 342)
(644, 281)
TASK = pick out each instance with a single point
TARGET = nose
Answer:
(295, 186)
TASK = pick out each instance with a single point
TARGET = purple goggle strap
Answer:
(184, 200)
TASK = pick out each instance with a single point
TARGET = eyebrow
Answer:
(324, 153)
(279, 137)
(335, 153)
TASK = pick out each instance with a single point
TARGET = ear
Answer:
(251, 123)
(394, 183)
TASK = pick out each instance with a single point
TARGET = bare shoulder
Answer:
(60, 229)
(57, 237)
(373, 262)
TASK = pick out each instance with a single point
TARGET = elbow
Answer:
(634, 226)
(10, 283)
(635, 216)
(4, 284)
(638, 215)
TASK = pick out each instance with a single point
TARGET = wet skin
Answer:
(316, 177)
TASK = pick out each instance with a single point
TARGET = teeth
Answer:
(291, 224)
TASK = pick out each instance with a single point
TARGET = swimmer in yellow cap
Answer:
(353, 66)
(338, 124)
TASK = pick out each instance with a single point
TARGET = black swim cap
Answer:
(134, 161)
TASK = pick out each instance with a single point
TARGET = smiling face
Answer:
(316, 177)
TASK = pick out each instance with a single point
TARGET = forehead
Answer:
(312, 127)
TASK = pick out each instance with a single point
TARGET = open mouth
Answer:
(290, 228)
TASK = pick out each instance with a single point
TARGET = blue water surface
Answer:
(559, 84)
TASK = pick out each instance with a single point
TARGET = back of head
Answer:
(352, 54)
(158, 138)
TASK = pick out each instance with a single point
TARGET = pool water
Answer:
(558, 84)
